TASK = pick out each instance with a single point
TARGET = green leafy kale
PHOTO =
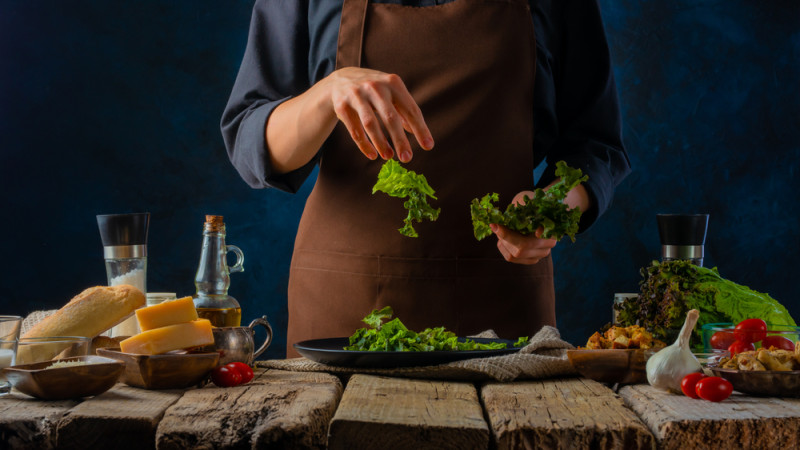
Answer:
(546, 209)
(670, 289)
(397, 181)
(522, 341)
(393, 336)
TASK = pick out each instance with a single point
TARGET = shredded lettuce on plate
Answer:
(393, 336)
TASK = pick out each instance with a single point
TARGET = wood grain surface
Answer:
(278, 409)
(566, 413)
(28, 423)
(393, 413)
(738, 422)
(121, 418)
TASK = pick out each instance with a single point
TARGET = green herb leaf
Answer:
(546, 210)
(522, 341)
(393, 336)
(397, 181)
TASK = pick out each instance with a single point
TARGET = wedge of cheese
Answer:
(167, 313)
(172, 337)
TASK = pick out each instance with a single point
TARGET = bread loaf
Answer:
(91, 312)
(88, 314)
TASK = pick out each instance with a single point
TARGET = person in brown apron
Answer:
(469, 66)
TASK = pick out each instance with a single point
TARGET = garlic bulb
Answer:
(666, 369)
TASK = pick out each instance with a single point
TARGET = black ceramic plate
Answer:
(330, 351)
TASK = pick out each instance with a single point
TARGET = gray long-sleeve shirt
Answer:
(292, 45)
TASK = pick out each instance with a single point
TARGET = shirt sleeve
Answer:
(274, 68)
(580, 120)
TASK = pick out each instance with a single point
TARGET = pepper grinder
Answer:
(124, 239)
(683, 236)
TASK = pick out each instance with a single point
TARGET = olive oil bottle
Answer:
(213, 277)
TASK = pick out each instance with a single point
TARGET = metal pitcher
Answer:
(238, 343)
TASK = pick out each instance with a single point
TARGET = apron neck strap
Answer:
(351, 33)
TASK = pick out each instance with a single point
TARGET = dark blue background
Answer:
(111, 106)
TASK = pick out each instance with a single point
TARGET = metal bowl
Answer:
(767, 383)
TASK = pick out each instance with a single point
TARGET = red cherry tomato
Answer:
(244, 370)
(714, 389)
(224, 376)
(750, 330)
(739, 347)
(689, 383)
(721, 340)
(779, 342)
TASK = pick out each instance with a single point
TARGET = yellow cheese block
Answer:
(172, 337)
(167, 313)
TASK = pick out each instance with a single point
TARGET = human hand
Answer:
(369, 102)
(522, 249)
(519, 248)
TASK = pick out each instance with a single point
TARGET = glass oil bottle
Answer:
(213, 277)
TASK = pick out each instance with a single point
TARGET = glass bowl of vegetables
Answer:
(748, 334)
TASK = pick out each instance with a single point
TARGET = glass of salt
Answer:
(132, 271)
(9, 336)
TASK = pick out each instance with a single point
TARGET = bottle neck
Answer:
(213, 276)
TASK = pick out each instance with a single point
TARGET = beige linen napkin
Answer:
(544, 357)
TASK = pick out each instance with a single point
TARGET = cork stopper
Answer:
(214, 224)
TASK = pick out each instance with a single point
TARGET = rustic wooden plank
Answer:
(278, 409)
(394, 413)
(121, 418)
(26, 422)
(562, 413)
(738, 422)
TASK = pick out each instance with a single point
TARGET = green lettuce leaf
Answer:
(669, 289)
(393, 336)
(546, 210)
(396, 181)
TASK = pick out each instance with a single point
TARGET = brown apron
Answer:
(469, 64)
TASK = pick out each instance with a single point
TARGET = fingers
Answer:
(521, 249)
(392, 121)
(352, 122)
(372, 104)
(412, 116)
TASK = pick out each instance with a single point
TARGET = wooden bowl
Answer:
(623, 366)
(167, 371)
(61, 383)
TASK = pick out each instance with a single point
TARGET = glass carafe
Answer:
(213, 277)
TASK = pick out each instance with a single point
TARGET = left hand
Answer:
(530, 249)
(522, 249)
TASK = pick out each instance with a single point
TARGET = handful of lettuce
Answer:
(397, 181)
(546, 209)
(393, 336)
(671, 288)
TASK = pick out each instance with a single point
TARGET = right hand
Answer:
(369, 102)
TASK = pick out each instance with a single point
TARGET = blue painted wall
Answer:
(112, 106)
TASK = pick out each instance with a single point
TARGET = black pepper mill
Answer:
(683, 237)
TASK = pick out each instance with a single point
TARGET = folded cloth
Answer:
(33, 318)
(544, 357)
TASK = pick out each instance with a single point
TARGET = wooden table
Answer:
(296, 410)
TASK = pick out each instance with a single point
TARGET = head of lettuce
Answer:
(671, 288)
